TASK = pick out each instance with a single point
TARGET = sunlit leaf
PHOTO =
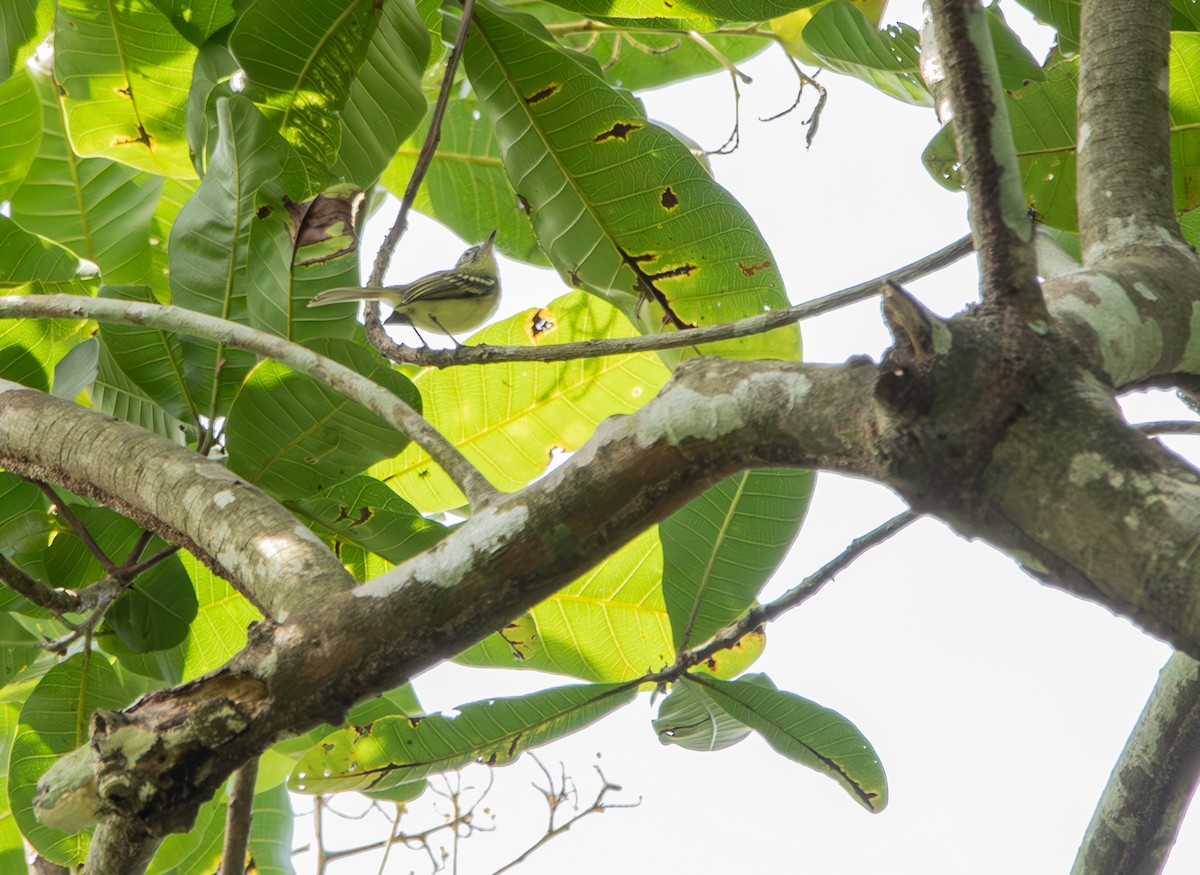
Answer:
(687, 718)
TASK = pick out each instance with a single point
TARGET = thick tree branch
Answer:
(1139, 815)
(1126, 201)
(238, 531)
(326, 371)
(961, 68)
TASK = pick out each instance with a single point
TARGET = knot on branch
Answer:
(904, 384)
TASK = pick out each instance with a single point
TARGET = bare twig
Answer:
(484, 354)
(324, 370)
(77, 527)
(1188, 427)
(237, 819)
(730, 635)
(57, 601)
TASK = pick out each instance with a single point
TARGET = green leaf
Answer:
(117, 395)
(77, 370)
(702, 11)
(209, 242)
(608, 625)
(689, 719)
(12, 845)
(295, 437)
(721, 548)
(218, 631)
(466, 188)
(215, 66)
(54, 721)
(23, 26)
(153, 359)
(25, 520)
(124, 70)
(1017, 66)
(97, 208)
(14, 657)
(805, 732)
(386, 101)
(621, 206)
(20, 129)
(1042, 115)
(31, 348)
(535, 407)
(322, 71)
(1185, 15)
(365, 512)
(271, 832)
(397, 750)
(157, 611)
(845, 40)
(198, 851)
(1062, 15)
(1185, 119)
(197, 20)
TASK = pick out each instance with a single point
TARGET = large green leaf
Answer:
(608, 625)
(23, 25)
(12, 845)
(621, 206)
(296, 437)
(20, 129)
(124, 70)
(721, 548)
(805, 732)
(466, 188)
(54, 721)
(209, 241)
(364, 512)
(508, 419)
(97, 208)
(25, 519)
(843, 39)
(397, 750)
(323, 71)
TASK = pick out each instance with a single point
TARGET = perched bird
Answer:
(447, 302)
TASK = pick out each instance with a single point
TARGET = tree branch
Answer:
(1125, 195)
(237, 819)
(238, 531)
(961, 66)
(1143, 805)
(326, 371)
(484, 354)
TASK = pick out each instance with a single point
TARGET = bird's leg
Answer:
(433, 319)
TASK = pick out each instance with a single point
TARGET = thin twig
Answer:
(384, 256)
(57, 601)
(485, 354)
(324, 370)
(1190, 427)
(77, 527)
(237, 819)
(730, 635)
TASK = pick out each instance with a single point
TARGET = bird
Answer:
(447, 302)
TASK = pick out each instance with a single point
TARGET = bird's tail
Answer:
(342, 294)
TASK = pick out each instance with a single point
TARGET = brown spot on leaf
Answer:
(682, 270)
(539, 324)
(264, 211)
(126, 92)
(523, 202)
(538, 96)
(143, 138)
(619, 131)
(512, 748)
(669, 199)
(752, 269)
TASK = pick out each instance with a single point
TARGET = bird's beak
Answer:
(491, 238)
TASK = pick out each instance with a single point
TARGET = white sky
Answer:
(997, 705)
